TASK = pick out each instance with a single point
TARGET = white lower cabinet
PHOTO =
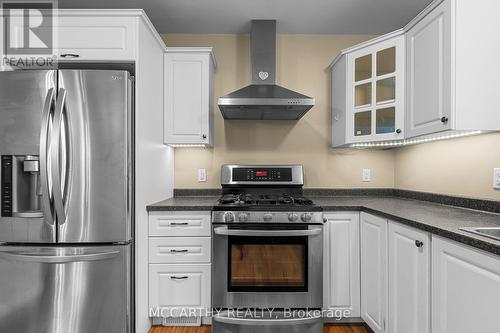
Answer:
(409, 254)
(374, 271)
(341, 263)
(179, 264)
(465, 289)
(176, 285)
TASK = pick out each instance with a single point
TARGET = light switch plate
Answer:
(202, 175)
(496, 178)
(367, 175)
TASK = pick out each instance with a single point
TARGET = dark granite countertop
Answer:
(435, 218)
(184, 203)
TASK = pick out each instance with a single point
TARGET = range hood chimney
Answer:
(264, 99)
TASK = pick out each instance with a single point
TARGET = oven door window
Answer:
(274, 264)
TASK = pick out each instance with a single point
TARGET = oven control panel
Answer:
(262, 174)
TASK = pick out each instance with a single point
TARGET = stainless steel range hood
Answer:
(264, 99)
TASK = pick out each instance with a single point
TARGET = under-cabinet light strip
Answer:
(407, 142)
(188, 145)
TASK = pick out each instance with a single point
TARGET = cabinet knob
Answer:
(204, 136)
(444, 120)
(398, 131)
(419, 243)
(325, 219)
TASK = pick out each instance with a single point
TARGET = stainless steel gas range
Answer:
(267, 252)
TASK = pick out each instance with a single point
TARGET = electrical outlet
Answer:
(367, 175)
(496, 178)
(202, 175)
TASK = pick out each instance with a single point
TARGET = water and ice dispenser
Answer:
(21, 189)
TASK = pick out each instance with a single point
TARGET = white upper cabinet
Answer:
(96, 37)
(436, 77)
(97, 34)
(465, 289)
(452, 68)
(428, 52)
(375, 93)
(189, 96)
(409, 253)
(368, 92)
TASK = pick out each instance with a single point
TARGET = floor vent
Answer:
(177, 321)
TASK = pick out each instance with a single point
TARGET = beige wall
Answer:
(462, 167)
(302, 63)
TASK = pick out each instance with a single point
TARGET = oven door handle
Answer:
(259, 233)
(265, 322)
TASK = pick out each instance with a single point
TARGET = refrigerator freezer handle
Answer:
(44, 142)
(37, 257)
(55, 157)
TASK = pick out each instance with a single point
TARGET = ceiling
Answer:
(293, 16)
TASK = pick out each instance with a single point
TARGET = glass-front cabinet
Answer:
(375, 92)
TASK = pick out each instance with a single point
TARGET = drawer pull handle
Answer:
(70, 55)
(179, 223)
(179, 251)
(179, 277)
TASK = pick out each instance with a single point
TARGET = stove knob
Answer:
(228, 217)
(268, 217)
(306, 217)
(243, 217)
(292, 217)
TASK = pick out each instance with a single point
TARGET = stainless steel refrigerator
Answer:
(66, 224)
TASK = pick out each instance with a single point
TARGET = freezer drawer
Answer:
(65, 289)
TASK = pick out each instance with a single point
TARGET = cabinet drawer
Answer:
(179, 224)
(179, 250)
(96, 38)
(179, 285)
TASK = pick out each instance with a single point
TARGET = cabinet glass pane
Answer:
(363, 68)
(386, 61)
(386, 89)
(386, 120)
(363, 94)
(363, 123)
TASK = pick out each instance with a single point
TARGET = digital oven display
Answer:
(262, 175)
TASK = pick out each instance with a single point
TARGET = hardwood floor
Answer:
(348, 328)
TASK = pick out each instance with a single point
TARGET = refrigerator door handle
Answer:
(38, 257)
(45, 138)
(56, 171)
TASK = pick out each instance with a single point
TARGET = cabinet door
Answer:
(179, 285)
(409, 280)
(342, 268)
(374, 271)
(96, 38)
(376, 92)
(465, 289)
(187, 101)
(429, 63)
